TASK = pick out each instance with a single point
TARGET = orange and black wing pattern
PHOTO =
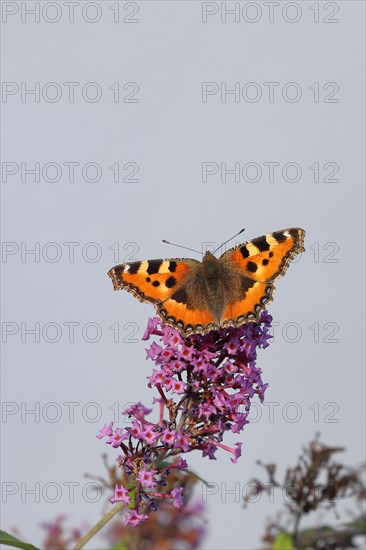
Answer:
(188, 317)
(151, 281)
(250, 305)
(258, 263)
(266, 258)
(171, 285)
(178, 287)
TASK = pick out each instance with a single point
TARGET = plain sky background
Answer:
(160, 133)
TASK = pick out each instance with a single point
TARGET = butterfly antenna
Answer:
(180, 246)
(231, 238)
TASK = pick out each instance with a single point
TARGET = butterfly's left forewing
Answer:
(256, 265)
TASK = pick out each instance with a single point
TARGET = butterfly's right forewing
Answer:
(266, 258)
(255, 265)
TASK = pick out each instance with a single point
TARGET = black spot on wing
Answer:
(246, 284)
(172, 266)
(261, 244)
(155, 283)
(147, 279)
(134, 267)
(244, 251)
(172, 281)
(270, 254)
(265, 262)
(180, 296)
(252, 267)
(154, 266)
(279, 236)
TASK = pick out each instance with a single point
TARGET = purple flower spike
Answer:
(206, 384)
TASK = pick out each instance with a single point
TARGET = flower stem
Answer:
(116, 508)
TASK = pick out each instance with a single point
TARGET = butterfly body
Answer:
(196, 297)
(213, 285)
(217, 283)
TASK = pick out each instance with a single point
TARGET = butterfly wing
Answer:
(175, 286)
(151, 281)
(177, 312)
(255, 266)
(266, 258)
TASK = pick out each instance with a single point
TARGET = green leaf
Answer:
(283, 542)
(9, 540)
(132, 486)
(119, 546)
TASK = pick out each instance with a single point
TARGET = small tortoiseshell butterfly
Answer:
(196, 297)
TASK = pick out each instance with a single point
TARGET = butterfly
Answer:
(197, 297)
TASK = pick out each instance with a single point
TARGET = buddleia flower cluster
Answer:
(205, 385)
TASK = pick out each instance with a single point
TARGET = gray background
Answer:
(169, 132)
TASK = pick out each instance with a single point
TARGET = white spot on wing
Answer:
(252, 249)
